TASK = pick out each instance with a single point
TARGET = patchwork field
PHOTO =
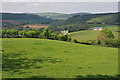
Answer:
(25, 58)
(35, 26)
(91, 34)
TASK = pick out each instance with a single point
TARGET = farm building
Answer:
(65, 32)
(97, 28)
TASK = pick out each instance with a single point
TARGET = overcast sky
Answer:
(59, 7)
(59, 0)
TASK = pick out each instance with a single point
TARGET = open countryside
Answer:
(92, 34)
(58, 44)
(33, 57)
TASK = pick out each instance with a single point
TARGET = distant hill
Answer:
(107, 19)
(59, 16)
(10, 19)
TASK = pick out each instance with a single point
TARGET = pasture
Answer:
(91, 34)
(30, 57)
(35, 26)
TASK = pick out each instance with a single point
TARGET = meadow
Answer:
(31, 57)
(92, 35)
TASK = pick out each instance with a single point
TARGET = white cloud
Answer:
(33, 5)
(62, 7)
(60, 0)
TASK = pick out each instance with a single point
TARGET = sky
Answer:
(22, 6)
(60, 0)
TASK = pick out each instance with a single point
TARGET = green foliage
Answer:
(23, 19)
(46, 33)
(92, 35)
(54, 36)
(75, 41)
(69, 27)
(106, 19)
(112, 42)
(9, 33)
(64, 37)
(22, 33)
(105, 34)
(108, 33)
(109, 18)
(31, 34)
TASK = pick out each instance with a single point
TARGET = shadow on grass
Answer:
(98, 77)
(15, 62)
(79, 77)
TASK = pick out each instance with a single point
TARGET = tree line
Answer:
(44, 34)
(105, 37)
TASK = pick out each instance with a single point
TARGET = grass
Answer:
(91, 34)
(25, 58)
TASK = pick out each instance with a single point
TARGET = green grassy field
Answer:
(91, 34)
(25, 58)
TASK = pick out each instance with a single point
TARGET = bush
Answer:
(104, 35)
(112, 42)
(75, 41)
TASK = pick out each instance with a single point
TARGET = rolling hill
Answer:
(22, 18)
(42, 58)
(60, 16)
(92, 35)
(107, 19)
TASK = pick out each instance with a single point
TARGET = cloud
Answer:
(61, 7)
(33, 5)
(60, 0)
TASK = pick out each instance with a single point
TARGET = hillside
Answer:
(92, 35)
(22, 18)
(60, 16)
(38, 58)
(107, 19)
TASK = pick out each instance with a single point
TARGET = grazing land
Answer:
(30, 57)
(91, 34)
(35, 26)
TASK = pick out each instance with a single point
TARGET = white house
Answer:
(97, 28)
(66, 32)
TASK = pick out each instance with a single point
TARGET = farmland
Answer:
(35, 26)
(30, 57)
(91, 34)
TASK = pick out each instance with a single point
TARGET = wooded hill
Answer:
(107, 18)
(23, 18)
(75, 22)
(60, 16)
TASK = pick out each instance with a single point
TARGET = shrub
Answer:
(112, 42)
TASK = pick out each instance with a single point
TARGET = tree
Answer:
(31, 34)
(112, 42)
(53, 36)
(22, 34)
(64, 38)
(46, 33)
(108, 33)
(105, 34)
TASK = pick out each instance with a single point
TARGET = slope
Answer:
(107, 19)
(36, 58)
